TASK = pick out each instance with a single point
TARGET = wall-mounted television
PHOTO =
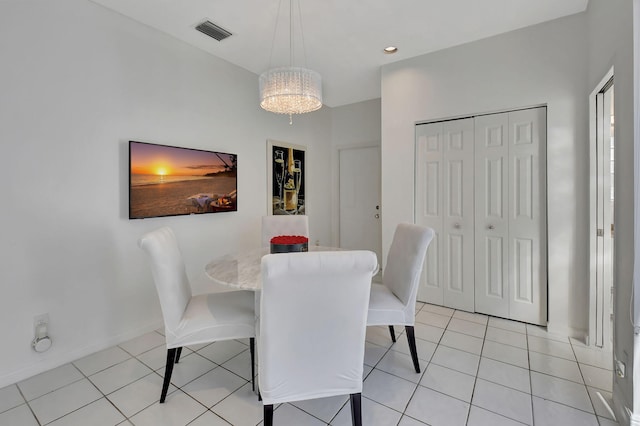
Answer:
(170, 181)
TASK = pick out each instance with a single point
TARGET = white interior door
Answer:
(527, 216)
(492, 223)
(360, 223)
(428, 207)
(458, 214)
(511, 243)
(602, 306)
(444, 202)
(608, 150)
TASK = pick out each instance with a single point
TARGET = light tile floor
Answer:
(476, 370)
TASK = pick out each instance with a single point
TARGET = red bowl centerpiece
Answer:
(289, 243)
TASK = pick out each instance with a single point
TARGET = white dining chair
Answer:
(393, 302)
(312, 328)
(192, 320)
(275, 225)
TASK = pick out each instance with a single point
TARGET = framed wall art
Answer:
(286, 180)
(169, 181)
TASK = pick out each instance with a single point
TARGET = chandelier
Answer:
(290, 90)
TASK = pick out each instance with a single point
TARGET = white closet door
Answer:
(458, 218)
(527, 211)
(428, 210)
(444, 202)
(492, 222)
(480, 184)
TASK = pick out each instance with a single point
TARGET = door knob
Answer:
(490, 227)
(377, 216)
(456, 225)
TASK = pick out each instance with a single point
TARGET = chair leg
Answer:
(412, 347)
(178, 353)
(356, 409)
(268, 415)
(171, 357)
(393, 333)
(252, 350)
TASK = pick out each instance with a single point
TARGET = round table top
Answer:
(242, 270)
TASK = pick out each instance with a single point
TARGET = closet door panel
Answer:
(493, 270)
(481, 185)
(428, 211)
(522, 264)
(458, 214)
(491, 215)
(527, 211)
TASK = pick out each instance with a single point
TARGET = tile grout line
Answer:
(475, 380)
(585, 383)
(179, 388)
(102, 393)
(132, 356)
(423, 372)
(533, 411)
(79, 408)
(217, 366)
(402, 414)
(28, 405)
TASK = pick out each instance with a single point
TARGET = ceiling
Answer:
(343, 38)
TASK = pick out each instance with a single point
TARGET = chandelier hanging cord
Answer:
(291, 35)
(304, 47)
(275, 30)
(291, 32)
(291, 45)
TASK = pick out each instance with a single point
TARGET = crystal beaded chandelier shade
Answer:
(290, 90)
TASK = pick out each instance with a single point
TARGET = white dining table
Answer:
(242, 270)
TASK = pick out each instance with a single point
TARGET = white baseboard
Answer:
(73, 355)
(581, 335)
(635, 420)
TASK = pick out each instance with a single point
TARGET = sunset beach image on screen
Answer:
(169, 181)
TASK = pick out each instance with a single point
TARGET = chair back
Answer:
(406, 256)
(275, 225)
(169, 275)
(312, 324)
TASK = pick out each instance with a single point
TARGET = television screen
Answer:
(170, 181)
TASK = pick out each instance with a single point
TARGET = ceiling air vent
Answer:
(213, 31)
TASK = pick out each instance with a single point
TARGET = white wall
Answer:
(76, 83)
(611, 45)
(356, 124)
(538, 65)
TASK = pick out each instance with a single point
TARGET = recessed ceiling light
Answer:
(390, 49)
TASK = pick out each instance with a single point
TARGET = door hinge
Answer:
(600, 232)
